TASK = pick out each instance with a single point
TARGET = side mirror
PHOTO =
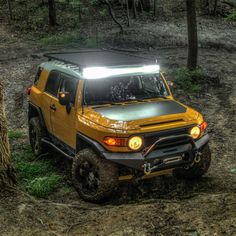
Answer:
(64, 98)
(170, 83)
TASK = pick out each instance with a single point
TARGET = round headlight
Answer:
(195, 132)
(135, 143)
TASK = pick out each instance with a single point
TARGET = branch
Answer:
(113, 15)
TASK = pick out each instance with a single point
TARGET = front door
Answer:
(50, 93)
(62, 118)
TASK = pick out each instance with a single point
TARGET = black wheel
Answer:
(197, 169)
(94, 178)
(36, 133)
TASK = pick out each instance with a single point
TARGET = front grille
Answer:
(151, 138)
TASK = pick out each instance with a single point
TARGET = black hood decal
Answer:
(140, 111)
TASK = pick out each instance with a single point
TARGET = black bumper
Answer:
(162, 158)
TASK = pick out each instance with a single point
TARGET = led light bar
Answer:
(104, 72)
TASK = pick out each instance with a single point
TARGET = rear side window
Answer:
(53, 83)
(36, 80)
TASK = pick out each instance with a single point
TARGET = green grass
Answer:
(38, 177)
(42, 186)
(15, 134)
(232, 15)
(190, 81)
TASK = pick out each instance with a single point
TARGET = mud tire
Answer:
(198, 169)
(105, 173)
(36, 133)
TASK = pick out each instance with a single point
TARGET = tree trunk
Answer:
(52, 12)
(215, 7)
(10, 9)
(134, 9)
(192, 34)
(7, 173)
(127, 13)
(155, 7)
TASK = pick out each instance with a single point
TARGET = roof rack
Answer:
(99, 57)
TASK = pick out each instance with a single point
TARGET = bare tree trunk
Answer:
(215, 7)
(52, 12)
(10, 9)
(7, 173)
(192, 34)
(134, 9)
(127, 13)
(113, 16)
(155, 7)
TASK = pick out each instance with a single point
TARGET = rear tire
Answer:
(94, 178)
(198, 169)
(36, 133)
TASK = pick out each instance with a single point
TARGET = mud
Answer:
(164, 206)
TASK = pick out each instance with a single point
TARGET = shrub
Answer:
(191, 81)
(232, 15)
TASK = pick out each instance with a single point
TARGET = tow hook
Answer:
(198, 157)
(147, 169)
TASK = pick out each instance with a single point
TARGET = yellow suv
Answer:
(113, 114)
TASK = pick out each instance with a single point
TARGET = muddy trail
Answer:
(164, 206)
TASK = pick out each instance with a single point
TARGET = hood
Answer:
(140, 115)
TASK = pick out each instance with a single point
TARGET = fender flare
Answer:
(36, 111)
(83, 141)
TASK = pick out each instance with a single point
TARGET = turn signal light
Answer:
(203, 126)
(113, 141)
(28, 91)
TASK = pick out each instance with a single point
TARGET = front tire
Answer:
(36, 133)
(198, 169)
(94, 178)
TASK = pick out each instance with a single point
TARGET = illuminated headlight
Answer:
(195, 132)
(135, 143)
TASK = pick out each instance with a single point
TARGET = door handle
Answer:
(53, 107)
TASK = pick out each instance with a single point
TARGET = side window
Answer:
(36, 79)
(53, 83)
(69, 85)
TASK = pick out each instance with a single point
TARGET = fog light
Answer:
(135, 143)
(195, 132)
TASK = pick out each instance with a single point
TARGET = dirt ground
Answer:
(165, 206)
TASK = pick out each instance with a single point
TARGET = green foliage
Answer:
(14, 134)
(37, 177)
(29, 170)
(43, 186)
(191, 81)
(232, 15)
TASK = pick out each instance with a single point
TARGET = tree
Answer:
(10, 9)
(112, 14)
(192, 34)
(155, 7)
(134, 9)
(52, 12)
(7, 173)
(127, 13)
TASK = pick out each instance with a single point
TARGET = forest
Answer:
(193, 42)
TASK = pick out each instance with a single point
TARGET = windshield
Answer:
(123, 89)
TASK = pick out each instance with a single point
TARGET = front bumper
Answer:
(160, 158)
